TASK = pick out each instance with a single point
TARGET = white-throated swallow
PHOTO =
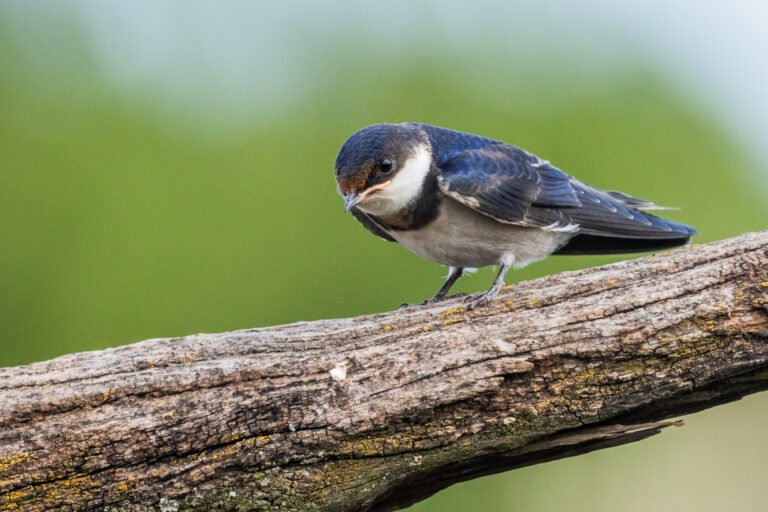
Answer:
(463, 200)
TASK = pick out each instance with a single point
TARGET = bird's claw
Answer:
(441, 298)
(477, 300)
(434, 300)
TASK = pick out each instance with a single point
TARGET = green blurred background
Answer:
(166, 169)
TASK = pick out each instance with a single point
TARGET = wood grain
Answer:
(376, 412)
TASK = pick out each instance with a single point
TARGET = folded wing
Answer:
(516, 187)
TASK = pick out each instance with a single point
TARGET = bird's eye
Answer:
(385, 165)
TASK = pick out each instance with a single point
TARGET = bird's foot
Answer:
(477, 300)
(441, 298)
(434, 300)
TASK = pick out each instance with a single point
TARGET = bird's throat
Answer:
(418, 213)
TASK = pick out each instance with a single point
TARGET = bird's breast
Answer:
(461, 237)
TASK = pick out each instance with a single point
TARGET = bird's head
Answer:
(381, 168)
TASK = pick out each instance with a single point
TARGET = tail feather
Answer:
(586, 244)
(636, 202)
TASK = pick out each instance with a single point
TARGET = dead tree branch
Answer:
(376, 412)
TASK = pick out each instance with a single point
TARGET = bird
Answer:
(467, 201)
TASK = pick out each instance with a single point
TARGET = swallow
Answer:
(467, 201)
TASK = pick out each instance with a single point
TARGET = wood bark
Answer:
(379, 411)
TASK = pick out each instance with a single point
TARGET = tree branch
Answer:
(376, 412)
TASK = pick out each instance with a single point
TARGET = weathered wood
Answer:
(379, 411)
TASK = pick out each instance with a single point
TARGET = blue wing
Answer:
(516, 187)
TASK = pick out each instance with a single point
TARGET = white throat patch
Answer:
(404, 188)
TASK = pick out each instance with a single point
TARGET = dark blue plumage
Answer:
(514, 186)
(464, 200)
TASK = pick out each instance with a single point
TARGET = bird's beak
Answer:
(351, 199)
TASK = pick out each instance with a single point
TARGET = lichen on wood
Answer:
(377, 412)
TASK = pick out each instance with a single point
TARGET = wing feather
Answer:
(516, 187)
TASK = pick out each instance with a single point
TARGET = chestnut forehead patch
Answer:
(356, 182)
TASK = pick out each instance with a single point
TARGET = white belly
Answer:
(461, 237)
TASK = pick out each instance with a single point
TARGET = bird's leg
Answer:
(453, 275)
(481, 299)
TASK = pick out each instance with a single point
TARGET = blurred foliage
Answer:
(123, 220)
